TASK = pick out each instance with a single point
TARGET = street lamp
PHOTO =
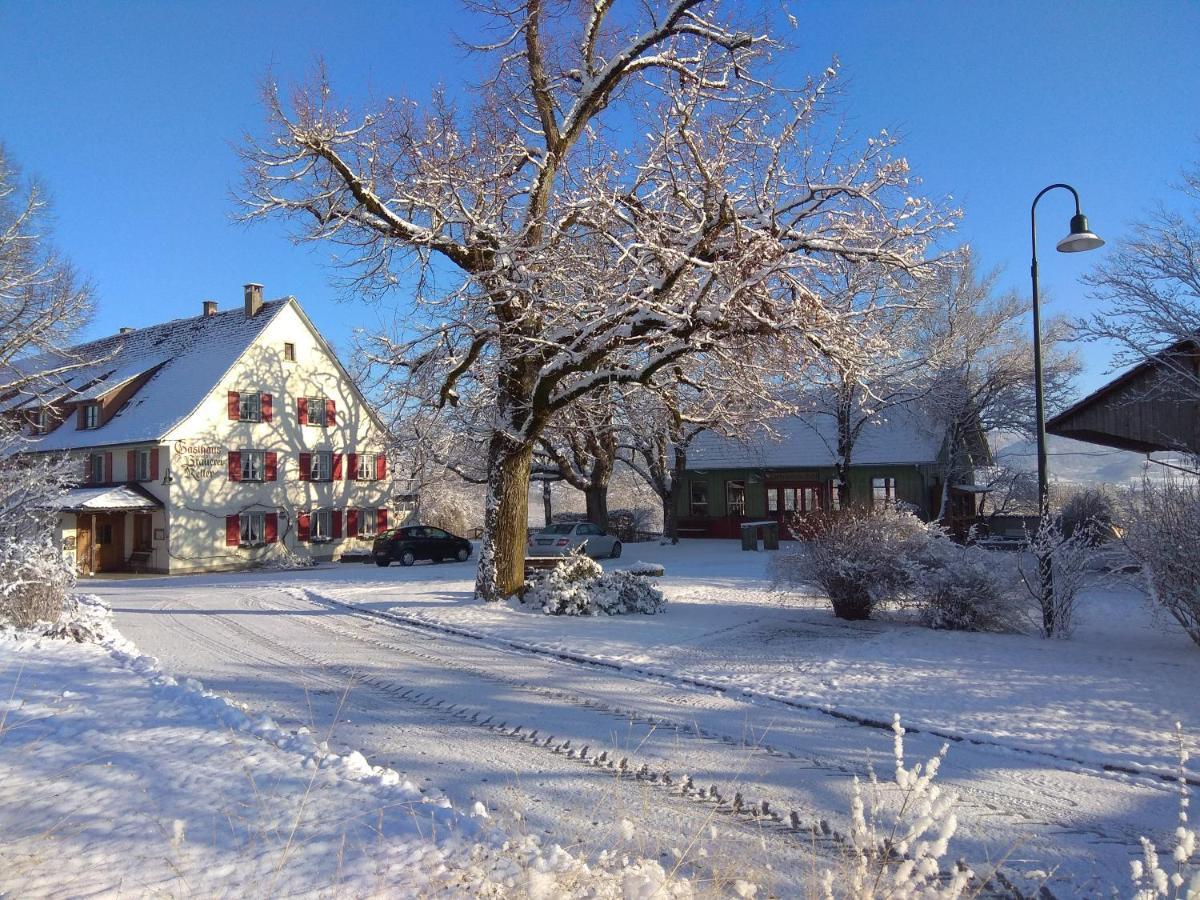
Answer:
(1078, 240)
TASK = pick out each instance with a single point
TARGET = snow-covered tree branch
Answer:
(623, 193)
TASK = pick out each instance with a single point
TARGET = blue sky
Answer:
(129, 113)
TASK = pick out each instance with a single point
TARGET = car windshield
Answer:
(559, 529)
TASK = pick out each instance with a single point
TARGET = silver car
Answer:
(559, 540)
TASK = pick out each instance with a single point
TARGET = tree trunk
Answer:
(547, 508)
(670, 520)
(505, 519)
(597, 505)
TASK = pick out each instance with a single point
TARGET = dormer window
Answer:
(89, 416)
(41, 420)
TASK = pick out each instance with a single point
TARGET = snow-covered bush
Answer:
(901, 857)
(1054, 569)
(1163, 534)
(579, 587)
(860, 558)
(966, 589)
(35, 580)
(1089, 510)
(1150, 877)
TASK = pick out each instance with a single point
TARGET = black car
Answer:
(412, 542)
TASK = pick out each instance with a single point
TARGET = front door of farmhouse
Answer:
(791, 502)
(108, 536)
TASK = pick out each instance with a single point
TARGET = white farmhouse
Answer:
(220, 441)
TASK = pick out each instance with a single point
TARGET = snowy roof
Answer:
(899, 437)
(187, 358)
(104, 499)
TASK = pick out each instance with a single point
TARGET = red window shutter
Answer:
(131, 465)
(154, 463)
(272, 527)
(233, 530)
(303, 527)
(330, 413)
(352, 467)
(235, 405)
(265, 406)
(337, 467)
(107, 467)
(381, 519)
(302, 410)
(335, 523)
(381, 467)
(272, 465)
(235, 465)
(305, 466)
(351, 522)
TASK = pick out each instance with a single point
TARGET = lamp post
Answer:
(1079, 239)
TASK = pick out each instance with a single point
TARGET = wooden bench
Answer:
(541, 563)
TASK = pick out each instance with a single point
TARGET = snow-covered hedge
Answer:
(35, 580)
(579, 587)
(1163, 534)
(966, 589)
(860, 558)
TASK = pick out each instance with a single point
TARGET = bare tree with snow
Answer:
(42, 304)
(626, 190)
(980, 366)
(1150, 284)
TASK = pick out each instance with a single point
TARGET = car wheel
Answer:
(462, 554)
(383, 563)
(407, 558)
(616, 550)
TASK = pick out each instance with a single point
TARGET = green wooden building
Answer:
(900, 458)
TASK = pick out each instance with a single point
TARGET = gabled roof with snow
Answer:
(187, 357)
(108, 498)
(901, 436)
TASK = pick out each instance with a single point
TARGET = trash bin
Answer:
(750, 536)
(771, 536)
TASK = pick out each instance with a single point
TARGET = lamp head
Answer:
(1081, 237)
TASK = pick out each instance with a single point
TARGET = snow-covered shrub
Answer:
(966, 589)
(901, 857)
(1150, 877)
(860, 558)
(579, 587)
(1163, 534)
(1054, 569)
(1089, 510)
(35, 580)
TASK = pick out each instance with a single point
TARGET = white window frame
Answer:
(696, 508)
(41, 423)
(367, 465)
(731, 486)
(320, 526)
(317, 412)
(249, 406)
(364, 515)
(889, 491)
(253, 461)
(91, 416)
(252, 529)
(320, 468)
(141, 464)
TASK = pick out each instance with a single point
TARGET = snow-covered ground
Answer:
(1056, 746)
(118, 780)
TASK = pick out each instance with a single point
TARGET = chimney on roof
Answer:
(125, 329)
(254, 299)
(210, 308)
